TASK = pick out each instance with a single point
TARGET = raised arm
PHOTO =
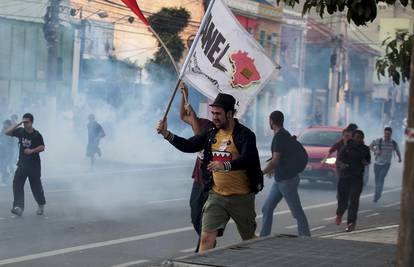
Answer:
(9, 131)
(187, 113)
(191, 145)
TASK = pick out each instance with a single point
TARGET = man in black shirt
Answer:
(286, 178)
(31, 144)
(351, 162)
(95, 134)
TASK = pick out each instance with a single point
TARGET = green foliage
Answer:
(358, 11)
(396, 61)
(168, 23)
(170, 20)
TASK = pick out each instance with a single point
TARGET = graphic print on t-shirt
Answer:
(221, 154)
(234, 182)
(26, 143)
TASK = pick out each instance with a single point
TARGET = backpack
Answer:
(299, 156)
(295, 159)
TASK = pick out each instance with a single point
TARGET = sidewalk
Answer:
(366, 247)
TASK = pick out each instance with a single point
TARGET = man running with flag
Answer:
(231, 170)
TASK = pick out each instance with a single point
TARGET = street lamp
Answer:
(130, 19)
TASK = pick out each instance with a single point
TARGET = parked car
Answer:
(317, 140)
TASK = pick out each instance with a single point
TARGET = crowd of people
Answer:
(227, 173)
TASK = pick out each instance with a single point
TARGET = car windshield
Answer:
(319, 138)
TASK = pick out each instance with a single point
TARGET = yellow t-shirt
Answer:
(228, 183)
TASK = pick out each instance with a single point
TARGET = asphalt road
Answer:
(139, 216)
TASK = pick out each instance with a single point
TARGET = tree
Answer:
(168, 23)
(398, 63)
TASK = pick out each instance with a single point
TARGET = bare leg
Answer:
(208, 240)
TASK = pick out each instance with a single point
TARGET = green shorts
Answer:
(219, 209)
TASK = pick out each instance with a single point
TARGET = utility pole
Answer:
(79, 44)
(51, 34)
(334, 79)
(334, 75)
(405, 257)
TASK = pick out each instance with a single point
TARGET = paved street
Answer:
(139, 216)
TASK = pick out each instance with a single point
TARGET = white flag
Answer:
(225, 58)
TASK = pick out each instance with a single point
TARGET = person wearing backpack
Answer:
(289, 158)
(383, 149)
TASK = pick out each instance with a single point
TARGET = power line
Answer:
(126, 8)
(191, 23)
(138, 25)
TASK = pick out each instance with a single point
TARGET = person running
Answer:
(383, 149)
(351, 162)
(95, 134)
(6, 154)
(198, 195)
(286, 179)
(231, 168)
(29, 166)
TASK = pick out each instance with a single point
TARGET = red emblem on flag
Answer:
(244, 72)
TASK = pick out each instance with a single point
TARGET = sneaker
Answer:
(40, 210)
(350, 227)
(338, 220)
(17, 211)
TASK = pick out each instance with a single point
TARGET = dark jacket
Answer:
(352, 154)
(245, 142)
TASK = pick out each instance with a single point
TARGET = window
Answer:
(273, 42)
(262, 39)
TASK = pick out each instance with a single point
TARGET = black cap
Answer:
(225, 101)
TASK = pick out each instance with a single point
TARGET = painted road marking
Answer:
(167, 200)
(318, 228)
(145, 236)
(293, 226)
(392, 205)
(131, 263)
(364, 211)
(188, 250)
(329, 219)
(372, 215)
(94, 245)
(363, 231)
